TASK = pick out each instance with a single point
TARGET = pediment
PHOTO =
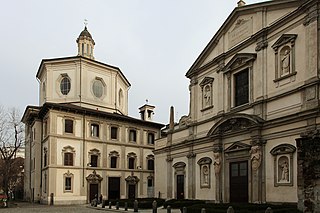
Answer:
(284, 39)
(94, 177)
(238, 28)
(206, 80)
(237, 146)
(234, 123)
(132, 179)
(283, 149)
(205, 160)
(239, 60)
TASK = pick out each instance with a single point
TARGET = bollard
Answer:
(230, 210)
(126, 206)
(154, 206)
(269, 210)
(109, 204)
(135, 206)
(203, 210)
(117, 205)
(184, 210)
(51, 198)
(168, 209)
(103, 203)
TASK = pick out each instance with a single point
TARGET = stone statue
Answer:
(217, 162)
(285, 62)
(207, 96)
(255, 153)
(285, 171)
(205, 171)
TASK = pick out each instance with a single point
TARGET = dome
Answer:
(85, 32)
(85, 35)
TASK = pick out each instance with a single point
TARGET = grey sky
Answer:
(154, 43)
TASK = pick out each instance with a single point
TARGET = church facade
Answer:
(254, 108)
(80, 141)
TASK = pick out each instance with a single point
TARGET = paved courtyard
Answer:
(33, 208)
(24, 207)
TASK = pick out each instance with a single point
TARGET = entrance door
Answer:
(93, 191)
(132, 191)
(180, 186)
(239, 182)
(114, 188)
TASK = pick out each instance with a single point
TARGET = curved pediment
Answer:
(239, 60)
(283, 149)
(234, 123)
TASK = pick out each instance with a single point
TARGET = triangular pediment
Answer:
(237, 146)
(206, 80)
(284, 39)
(238, 28)
(239, 60)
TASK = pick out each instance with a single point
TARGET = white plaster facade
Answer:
(80, 140)
(254, 90)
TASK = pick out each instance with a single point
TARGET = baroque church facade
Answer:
(252, 131)
(80, 141)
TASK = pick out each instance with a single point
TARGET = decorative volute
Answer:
(85, 44)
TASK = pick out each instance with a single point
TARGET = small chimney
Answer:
(241, 3)
(146, 112)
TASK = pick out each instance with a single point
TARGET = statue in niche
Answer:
(285, 62)
(207, 96)
(217, 162)
(255, 153)
(285, 171)
(205, 171)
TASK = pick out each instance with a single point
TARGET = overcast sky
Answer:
(154, 43)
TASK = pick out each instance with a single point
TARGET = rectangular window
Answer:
(67, 186)
(68, 159)
(94, 130)
(150, 138)
(150, 183)
(150, 164)
(113, 162)
(133, 135)
(241, 81)
(131, 163)
(94, 161)
(68, 126)
(114, 132)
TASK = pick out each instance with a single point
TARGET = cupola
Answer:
(85, 44)
(146, 112)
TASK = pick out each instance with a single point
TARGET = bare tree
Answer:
(11, 139)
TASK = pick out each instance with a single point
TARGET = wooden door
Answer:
(132, 191)
(114, 188)
(180, 186)
(239, 182)
(93, 191)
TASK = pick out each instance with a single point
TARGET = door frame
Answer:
(93, 178)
